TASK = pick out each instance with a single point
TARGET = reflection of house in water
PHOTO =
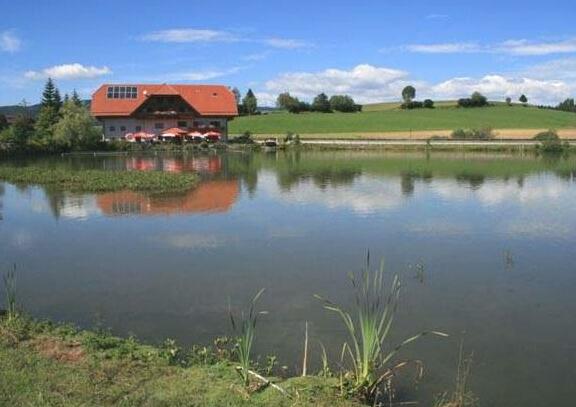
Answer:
(211, 164)
(210, 196)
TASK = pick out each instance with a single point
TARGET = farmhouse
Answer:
(171, 110)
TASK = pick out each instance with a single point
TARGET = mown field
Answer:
(383, 118)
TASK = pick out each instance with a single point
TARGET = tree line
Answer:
(321, 103)
(61, 125)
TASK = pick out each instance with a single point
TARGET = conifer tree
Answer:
(250, 102)
(76, 99)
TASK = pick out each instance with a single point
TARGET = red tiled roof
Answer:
(208, 100)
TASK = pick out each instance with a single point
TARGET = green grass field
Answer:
(388, 117)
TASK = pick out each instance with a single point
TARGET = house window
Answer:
(159, 126)
(138, 128)
(215, 124)
(122, 128)
(111, 128)
(122, 92)
(182, 124)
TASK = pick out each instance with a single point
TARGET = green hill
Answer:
(388, 117)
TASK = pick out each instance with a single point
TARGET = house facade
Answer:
(152, 109)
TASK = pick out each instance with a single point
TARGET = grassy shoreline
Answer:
(58, 365)
(99, 180)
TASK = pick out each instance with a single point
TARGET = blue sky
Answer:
(369, 49)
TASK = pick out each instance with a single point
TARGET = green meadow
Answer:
(388, 117)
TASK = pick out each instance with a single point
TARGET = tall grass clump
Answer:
(461, 396)
(245, 328)
(473, 134)
(9, 279)
(369, 325)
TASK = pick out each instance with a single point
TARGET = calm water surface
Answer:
(495, 235)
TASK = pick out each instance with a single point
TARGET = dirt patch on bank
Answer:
(70, 352)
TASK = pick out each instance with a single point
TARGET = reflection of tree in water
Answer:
(408, 178)
(56, 200)
(474, 180)
(1, 200)
(568, 174)
(322, 178)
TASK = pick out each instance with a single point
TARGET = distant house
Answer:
(153, 109)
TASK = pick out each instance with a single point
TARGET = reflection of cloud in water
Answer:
(192, 241)
(437, 227)
(79, 207)
(22, 239)
(538, 229)
(286, 232)
(366, 195)
(496, 192)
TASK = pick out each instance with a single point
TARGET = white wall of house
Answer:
(116, 127)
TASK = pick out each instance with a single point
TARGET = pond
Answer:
(484, 245)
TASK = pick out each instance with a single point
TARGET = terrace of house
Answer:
(159, 113)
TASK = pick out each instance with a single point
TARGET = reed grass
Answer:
(9, 279)
(369, 326)
(461, 396)
(245, 327)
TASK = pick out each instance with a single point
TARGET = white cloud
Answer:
(206, 75)
(69, 71)
(189, 35)
(259, 56)
(498, 86)
(560, 69)
(192, 35)
(444, 48)
(511, 47)
(9, 42)
(525, 47)
(365, 82)
(437, 17)
(368, 83)
(286, 43)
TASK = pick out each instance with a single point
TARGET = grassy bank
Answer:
(56, 365)
(397, 120)
(98, 180)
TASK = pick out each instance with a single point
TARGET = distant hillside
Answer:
(388, 117)
(32, 110)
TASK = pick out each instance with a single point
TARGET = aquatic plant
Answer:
(245, 328)
(369, 327)
(461, 397)
(9, 279)
(99, 180)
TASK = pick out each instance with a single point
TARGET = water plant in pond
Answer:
(369, 327)
(9, 279)
(245, 327)
(99, 180)
(461, 396)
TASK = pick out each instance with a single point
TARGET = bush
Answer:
(550, 142)
(549, 135)
(412, 105)
(429, 104)
(473, 134)
(342, 103)
(292, 138)
(244, 138)
(476, 100)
